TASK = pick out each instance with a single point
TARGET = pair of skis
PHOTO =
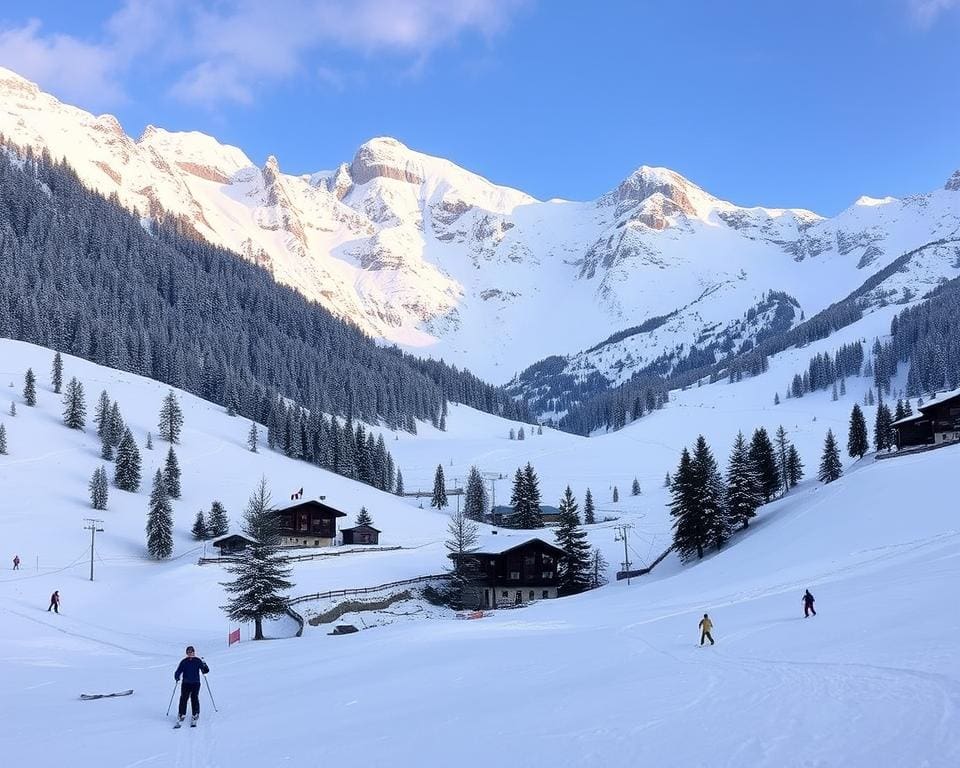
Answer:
(193, 722)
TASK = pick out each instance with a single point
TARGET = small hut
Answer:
(361, 534)
(233, 544)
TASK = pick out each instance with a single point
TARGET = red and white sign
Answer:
(233, 637)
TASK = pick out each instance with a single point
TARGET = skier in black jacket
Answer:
(190, 668)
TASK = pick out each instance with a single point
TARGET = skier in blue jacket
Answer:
(190, 669)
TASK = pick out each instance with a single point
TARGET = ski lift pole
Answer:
(211, 694)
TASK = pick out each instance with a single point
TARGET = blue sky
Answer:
(776, 103)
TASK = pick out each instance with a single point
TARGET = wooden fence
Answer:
(301, 558)
(364, 590)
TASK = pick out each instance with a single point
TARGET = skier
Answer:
(808, 604)
(54, 602)
(705, 626)
(190, 668)
(16, 562)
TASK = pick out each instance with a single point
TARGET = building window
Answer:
(515, 575)
(548, 560)
(545, 594)
(504, 593)
(531, 595)
(316, 542)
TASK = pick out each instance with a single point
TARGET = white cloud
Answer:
(926, 12)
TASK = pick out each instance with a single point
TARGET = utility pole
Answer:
(622, 536)
(492, 477)
(93, 526)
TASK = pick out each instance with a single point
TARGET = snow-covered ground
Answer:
(609, 678)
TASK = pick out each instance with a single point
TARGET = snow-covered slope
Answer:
(612, 677)
(420, 252)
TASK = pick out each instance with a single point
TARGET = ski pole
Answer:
(171, 697)
(211, 694)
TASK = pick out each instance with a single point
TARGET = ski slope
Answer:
(610, 678)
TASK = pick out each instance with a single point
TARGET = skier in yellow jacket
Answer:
(705, 626)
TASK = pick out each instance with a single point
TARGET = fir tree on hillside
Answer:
(199, 529)
(363, 518)
(439, 499)
(666, 481)
(830, 466)
(260, 575)
(616, 495)
(574, 571)
(708, 486)
(159, 520)
(598, 569)
(743, 492)
(101, 414)
(691, 532)
(106, 448)
(99, 488)
(782, 443)
(764, 461)
(794, 466)
(126, 473)
(857, 441)
(56, 374)
(635, 488)
(171, 418)
(115, 424)
(531, 515)
(3, 439)
(13, 408)
(883, 428)
(513, 434)
(149, 444)
(217, 522)
(520, 434)
(74, 407)
(252, 437)
(399, 488)
(475, 503)
(171, 472)
(30, 388)
(463, 535)
(589, 516)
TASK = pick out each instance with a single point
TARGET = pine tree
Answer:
(171, 472)
(364, 517)
(464, 570)
(13, 408)
(830, 466)
(776, 398)
(520, 434)
(708, 486)
(115, 424)
(399, 488)
(783, 451)
(217, 522)
(106, 449)
(30, 388)
(3, 439)
(56, 375)
(439, 499)
(857, 441)
(764, 463)
(74, 407)
(616, 495)
(260, 575)
(533, 515)
(589, 517)
(171, 418)
(882, 428)
(159, 520)
(99, 488)
(252, 437)
(199, 529)
(598, 569)
(475, 503)
(666, 481)
(834, 396)
(513, 434)
(149, 441)
(574, 571)
(794, 466)
(743, 491)
(126, 474)
(635, 488)
(101, 416)
(690, 528)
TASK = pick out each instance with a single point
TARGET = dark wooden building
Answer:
(361, 534)
(937, 422)
(515, 570)
(232, 544)
(503, 515)
(308, 524)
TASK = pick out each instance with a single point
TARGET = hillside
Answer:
(616, 674)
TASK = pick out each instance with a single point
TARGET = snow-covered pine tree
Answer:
(882, 428)
(56, 373)
(616, 495)
(513, 434)
(830, 466)
(764, 463)
(439, 499)
(106, 449)
(574, 571)
(843, 387)
(834, 395)
(743, 492)
(101, 414)
(74, 407)
(666, 481)
(199, 529)
(171, 418)
(857, 441)
(475, 502)
(260, 575)
(635, 488)
(126, 474)
(539, 429)
(115, 424)
(30, 388)
(691, 532)
(589, 510)
(159, 520)
(899, 413)
(149, 441)
(534, 518)
(399, 487)
(3, 439)
(171, 472)
(794, 466)
(776, 398)
(520, 434)
(99, 488)
(218, 524)
(363, 518)
(598, 569)
(782, 443)
(464, 570)
(252, 437)
(708, 485)
(13, 408)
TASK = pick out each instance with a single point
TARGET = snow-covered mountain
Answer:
(420, 252)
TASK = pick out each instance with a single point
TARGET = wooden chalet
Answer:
(308, 524)
(937, 422)
(361, 534)
(232, 544)
(514, 569)
(503, 515)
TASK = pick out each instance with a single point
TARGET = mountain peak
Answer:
(385, 157)
(953, 183)
(649, 181)
(10, 81)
